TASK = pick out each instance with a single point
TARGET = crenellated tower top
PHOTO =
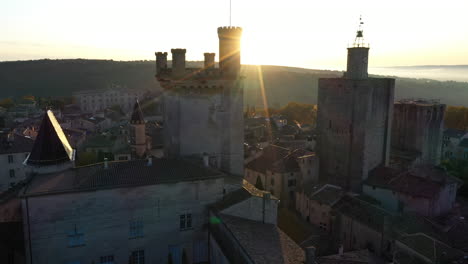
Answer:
(230, 32)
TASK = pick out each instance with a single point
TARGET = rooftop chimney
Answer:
(206, 159)
(340, 250)
(310, 255)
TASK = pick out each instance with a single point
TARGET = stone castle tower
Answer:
(354, 121)
(418, 128)
(203, 107)
(138, 139)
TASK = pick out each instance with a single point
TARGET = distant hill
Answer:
(281, 84)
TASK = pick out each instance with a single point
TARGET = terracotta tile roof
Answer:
(19, 144)
(265, 243)
(327, 194)
(278, 159)
(464, 143)
(270, 155)
(419, 182)
(363, 212)
(119, 174)
(430, 248)
(51, 145)
(237, 196)
(454, 133)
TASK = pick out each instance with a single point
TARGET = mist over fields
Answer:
(457, 73)
(281, 84)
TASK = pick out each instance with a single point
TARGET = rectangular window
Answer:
(75, 238)
(136, 228)
(185, 221)
(10, 158)
(107, 259)
(291, 183)
(12, 173)
(137, 257)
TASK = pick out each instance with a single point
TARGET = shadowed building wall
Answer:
(418, 127)
(354, 123)
(203, 108)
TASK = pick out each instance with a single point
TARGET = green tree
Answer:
(6, 103)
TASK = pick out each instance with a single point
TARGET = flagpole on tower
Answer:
(230, 11)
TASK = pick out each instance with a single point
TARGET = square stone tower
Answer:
(203, 107)
(418, 128)
(353, 121)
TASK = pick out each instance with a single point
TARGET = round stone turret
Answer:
(209, 60)
(178, 62)
(161, 61)
(229, 50)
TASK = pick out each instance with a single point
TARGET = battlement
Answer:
(160, 53)
(230, 32)
(178, 51)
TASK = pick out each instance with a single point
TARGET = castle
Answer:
(203, 108)
(354, 121)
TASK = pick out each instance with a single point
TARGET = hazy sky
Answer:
(302, 33)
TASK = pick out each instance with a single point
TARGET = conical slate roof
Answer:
(137, 115)
(51, 146)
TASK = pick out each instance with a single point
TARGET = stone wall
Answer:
(418, 127)
(354, 124)
(211, 122)
(104, 216)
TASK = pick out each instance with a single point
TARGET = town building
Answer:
(417, 132)
(452, 146)
(203, 108)
(354, 121)
(359, 224)
(93, 101)
(243, 230)
(315, 203)
(14, 149)
(425, 190)
(282, 171)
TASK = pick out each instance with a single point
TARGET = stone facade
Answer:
(354, 125)
(14, 149)
(282, 171)
(97, 100)
(418, 127)
(203, 108)
(101, 223)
